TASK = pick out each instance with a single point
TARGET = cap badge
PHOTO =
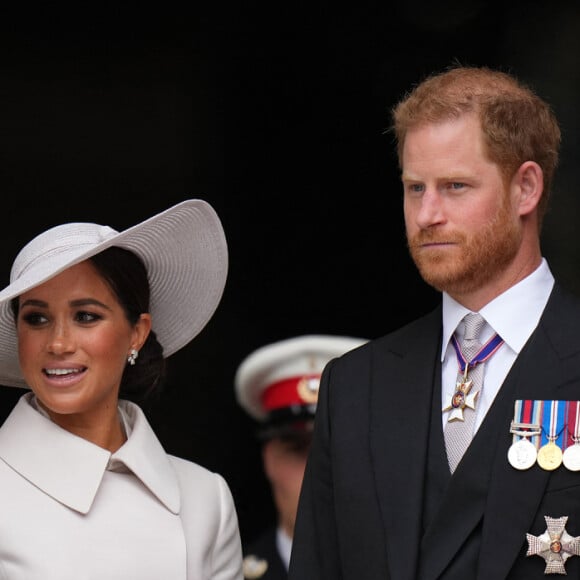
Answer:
(307, 389)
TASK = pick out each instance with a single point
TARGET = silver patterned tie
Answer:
(458, 434)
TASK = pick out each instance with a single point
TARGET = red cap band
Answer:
(289, 392)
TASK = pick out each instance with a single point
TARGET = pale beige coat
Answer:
(71, 511)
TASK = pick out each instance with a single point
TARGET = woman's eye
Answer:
(34, 318)
(84, 316)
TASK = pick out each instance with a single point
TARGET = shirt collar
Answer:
(284, 545)
(70, 469)
(513, 315)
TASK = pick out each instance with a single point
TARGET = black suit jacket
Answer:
(361, 508)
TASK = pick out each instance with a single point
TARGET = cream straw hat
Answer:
(184, 250)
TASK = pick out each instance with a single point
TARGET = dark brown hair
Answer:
(126, 275)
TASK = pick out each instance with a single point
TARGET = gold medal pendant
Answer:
(550, 456)
(553, 421)
(461, 398)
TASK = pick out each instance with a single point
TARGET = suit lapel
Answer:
(465, 500)
(404, 371)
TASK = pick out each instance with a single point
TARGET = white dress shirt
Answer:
(284, 545)
(514, 315)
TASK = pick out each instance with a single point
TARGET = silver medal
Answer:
(522, 454)
(571, 457)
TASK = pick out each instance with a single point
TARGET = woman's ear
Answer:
(141, 331)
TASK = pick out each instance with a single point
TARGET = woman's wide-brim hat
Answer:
(184, 250)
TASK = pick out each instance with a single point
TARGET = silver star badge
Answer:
(555, 545)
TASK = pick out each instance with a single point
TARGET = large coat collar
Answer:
(70, 469)
(406, 368)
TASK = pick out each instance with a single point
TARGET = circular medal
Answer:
(549, 456)
(522, 454)
(571, 457)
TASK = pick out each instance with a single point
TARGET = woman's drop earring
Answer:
(132, 356)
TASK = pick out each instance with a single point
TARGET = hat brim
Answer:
(185, 252)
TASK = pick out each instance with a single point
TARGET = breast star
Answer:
(555, 545)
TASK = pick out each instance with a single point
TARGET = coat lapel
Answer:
(64, 466)
(143, 454)
(70, 469)
(404, 371)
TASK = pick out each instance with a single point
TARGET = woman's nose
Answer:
(60, 340)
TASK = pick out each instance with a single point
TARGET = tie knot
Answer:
(473, 324)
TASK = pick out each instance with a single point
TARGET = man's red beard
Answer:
(473, 260)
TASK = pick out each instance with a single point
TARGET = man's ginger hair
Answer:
(517, 125)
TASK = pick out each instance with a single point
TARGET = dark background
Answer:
(275, 113)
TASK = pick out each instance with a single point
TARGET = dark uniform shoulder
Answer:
(262, 560)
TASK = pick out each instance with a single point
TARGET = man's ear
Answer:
(529, 184)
